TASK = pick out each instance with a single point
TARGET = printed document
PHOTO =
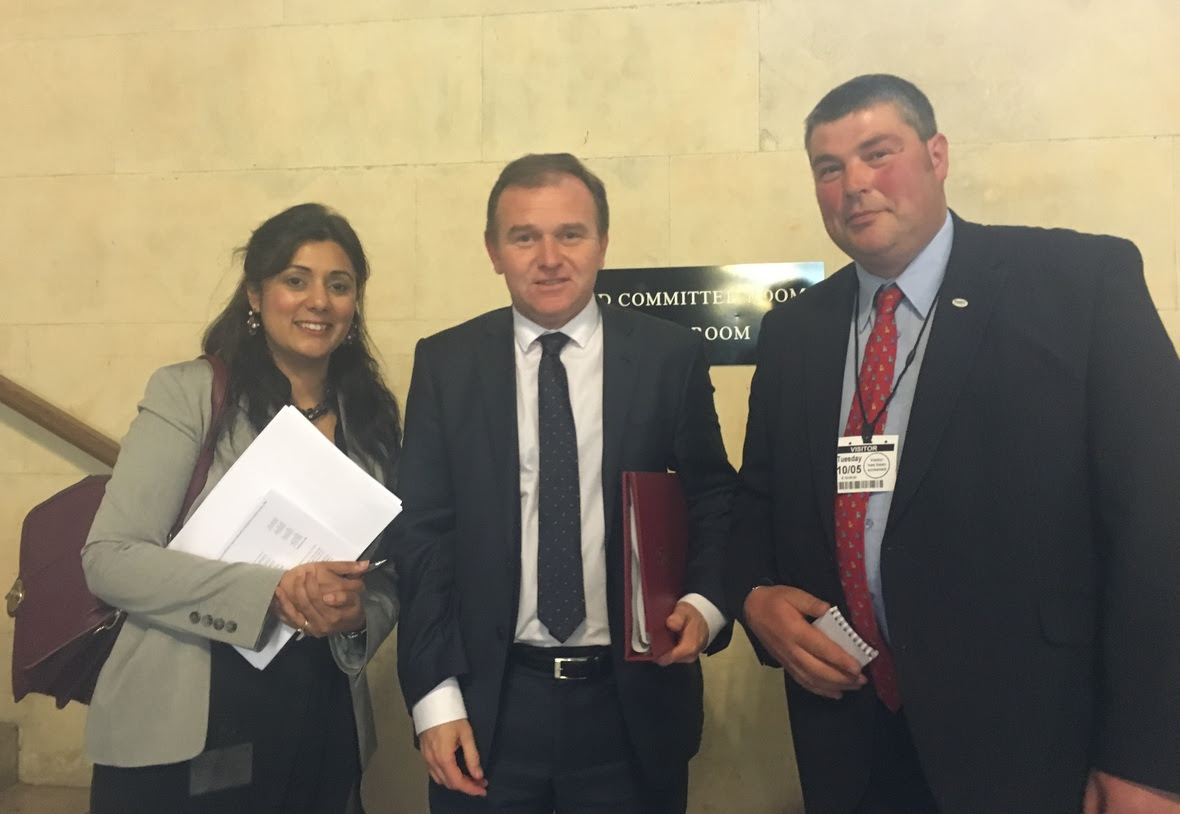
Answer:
(291, 497)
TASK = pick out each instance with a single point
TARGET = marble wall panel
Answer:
(151, 248)
(58, 19)
(14, 351)
(303, 96)
(994, 71)
(746, 208)
(313, 11)
(454, 279)
(118, 249)
(225, 13)
(638, 195)
(60, 104)
(630, 82)
(97, 372)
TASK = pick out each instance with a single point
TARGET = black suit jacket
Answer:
(1032, 552)
(457, 542)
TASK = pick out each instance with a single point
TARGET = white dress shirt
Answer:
(582, 358)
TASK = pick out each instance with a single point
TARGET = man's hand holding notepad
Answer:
(833, 625)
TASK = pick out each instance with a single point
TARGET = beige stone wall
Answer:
(143, 139)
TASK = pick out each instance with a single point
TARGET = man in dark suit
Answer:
(509, 551)
(1017, 566)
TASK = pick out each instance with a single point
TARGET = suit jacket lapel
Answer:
(619, 371)
(496, 361)
(974, 275)
(827, 343)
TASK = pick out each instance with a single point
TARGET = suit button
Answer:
(218, 624)
(194, 617)
(231, 626)
(207, 621)
(500, 632)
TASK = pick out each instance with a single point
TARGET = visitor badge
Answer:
(866, 467)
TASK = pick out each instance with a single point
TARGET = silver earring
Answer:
(351, 337)
(252, 323)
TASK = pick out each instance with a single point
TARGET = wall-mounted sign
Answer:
(725, 303)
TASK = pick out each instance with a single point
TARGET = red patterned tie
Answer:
(875, 382)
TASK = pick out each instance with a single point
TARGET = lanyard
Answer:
(869, 428)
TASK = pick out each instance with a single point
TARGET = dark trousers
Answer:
(897, 784)
(562, 746)
(165, 789)
(279, 741)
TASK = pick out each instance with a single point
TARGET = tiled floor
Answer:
(44, 800)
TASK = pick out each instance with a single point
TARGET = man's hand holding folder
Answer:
(659, 625)
(691, 632)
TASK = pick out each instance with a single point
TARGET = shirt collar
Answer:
(919, 282)
(579, 329)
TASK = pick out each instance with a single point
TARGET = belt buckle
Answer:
(558, 667)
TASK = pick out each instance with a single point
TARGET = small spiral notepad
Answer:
(836, 627)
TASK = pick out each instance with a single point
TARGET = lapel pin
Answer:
(959, 302)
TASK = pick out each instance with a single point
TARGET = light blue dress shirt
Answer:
(919, 283)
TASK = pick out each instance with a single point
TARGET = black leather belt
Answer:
(564, 663)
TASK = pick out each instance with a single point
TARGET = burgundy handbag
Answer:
(62, 632)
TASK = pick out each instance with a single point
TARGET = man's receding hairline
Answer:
(549, 178)
(876, 103)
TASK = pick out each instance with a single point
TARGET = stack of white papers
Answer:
(292, 497)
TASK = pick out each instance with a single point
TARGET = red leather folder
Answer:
(655, 531)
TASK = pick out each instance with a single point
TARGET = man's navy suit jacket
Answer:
(1032, 550)
(457, 542)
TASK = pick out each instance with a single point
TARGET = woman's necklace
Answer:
(321, 409)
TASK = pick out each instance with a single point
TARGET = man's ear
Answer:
(939, 152)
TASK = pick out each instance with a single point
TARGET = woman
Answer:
(179, 721)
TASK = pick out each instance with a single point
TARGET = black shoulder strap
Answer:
(205, 459)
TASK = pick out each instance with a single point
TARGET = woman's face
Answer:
(307, 308)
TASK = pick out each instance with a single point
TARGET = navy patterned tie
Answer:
(561, 602)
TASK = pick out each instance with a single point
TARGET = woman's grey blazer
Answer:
(151, 704)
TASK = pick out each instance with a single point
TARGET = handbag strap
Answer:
(205, 459)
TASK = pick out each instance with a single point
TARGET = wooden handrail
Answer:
(58, 421)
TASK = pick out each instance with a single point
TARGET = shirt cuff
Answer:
(441, 705)
(714, 618)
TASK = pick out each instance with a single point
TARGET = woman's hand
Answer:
(322, 598)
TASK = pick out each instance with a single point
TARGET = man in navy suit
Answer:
(967, 440)
(518, 688)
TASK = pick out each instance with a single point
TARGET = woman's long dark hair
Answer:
(374, 420)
